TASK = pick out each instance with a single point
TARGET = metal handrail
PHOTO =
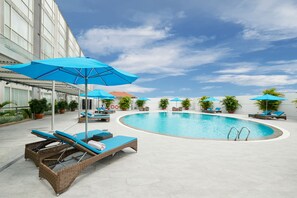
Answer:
(231, 131)
(249, 131)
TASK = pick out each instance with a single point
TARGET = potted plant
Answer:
(125, 103)
(62, 105)
(204, 105)
(231, 104)
(295, 101)
(271, 105)
(38, 107)
(73, 105)
(107, 102)
(186, 103)
(163, 103)
(140, 104)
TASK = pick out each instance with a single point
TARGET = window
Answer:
(7, 94)
(20, 97)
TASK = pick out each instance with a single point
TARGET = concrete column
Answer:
(2, 17)
(37, 29)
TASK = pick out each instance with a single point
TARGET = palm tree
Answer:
(5, 103)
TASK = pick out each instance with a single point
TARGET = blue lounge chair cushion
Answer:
(278, 113)
(84, 114)
(44, 135)
(268, 112)
(82, 135)
(209, 109)
(217, 109)
(110, 143)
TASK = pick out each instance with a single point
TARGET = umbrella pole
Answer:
(86, 108)
(266, 105)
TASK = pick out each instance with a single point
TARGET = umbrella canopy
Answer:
(176, 100)
(98, 93)
(143, 99)
(211, 99)
(268, 97)
(76, 71)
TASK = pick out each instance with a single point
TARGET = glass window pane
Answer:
(6, 94)
(6, 14)
(19, 24)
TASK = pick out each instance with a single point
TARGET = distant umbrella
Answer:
(268, 97)
(143, 99)
(176, 100)
(210, 99)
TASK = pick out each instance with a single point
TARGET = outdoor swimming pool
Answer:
(196, 125)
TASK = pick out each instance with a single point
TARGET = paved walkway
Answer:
(163, 166)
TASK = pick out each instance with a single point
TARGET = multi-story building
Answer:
(30, 30)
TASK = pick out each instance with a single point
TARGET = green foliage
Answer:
(62, 105)
(295, 101)
(26, 113)
(186, 103)
(5, 103)
(125, 103)
(107, 102)
(6, 119)
(140, 103)
(163, 104)
(231, 103)
(205, 105)
(38, 106)
(73, 105)
(271, 105)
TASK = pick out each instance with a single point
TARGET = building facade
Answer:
(31, 30)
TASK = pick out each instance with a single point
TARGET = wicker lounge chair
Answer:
(218, 110)
(94, 117)
(37, 151)
(279, 115)
(61, 179)
(266, 115)
(209, 110)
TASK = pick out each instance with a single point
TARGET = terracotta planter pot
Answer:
(39, 116)
(62, 111)
(72, 109)
(231, 112)
(187, 108)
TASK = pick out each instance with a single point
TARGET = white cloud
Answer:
(126, 88)
(268, 20)
(110, 40)
(210, 87)
(171, 59)
(238, 70)
(185, 89)
(255, 80)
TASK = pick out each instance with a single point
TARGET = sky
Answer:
(191, 48)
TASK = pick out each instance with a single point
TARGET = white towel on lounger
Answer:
(98, 145)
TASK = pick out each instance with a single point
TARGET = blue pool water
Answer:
(194, 125)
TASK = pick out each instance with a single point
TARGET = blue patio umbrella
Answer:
(210, 99)
(268, 97)
(79, 70)
(176, 100)
(98, 93)
(143, 99)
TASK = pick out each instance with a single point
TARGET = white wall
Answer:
(248, 106)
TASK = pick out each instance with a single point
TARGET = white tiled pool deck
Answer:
(164, 166)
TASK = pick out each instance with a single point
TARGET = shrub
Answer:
(125, 103)
(186, 103)
(38, 106)
(62, 105)
(231, 104)
(7, 119)
(107, 102)
(140, 103)
(163, 103)
(205, 105)
(73, 105)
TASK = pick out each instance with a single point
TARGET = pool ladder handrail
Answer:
(237, 137)
(249, 131)
(231, 131)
